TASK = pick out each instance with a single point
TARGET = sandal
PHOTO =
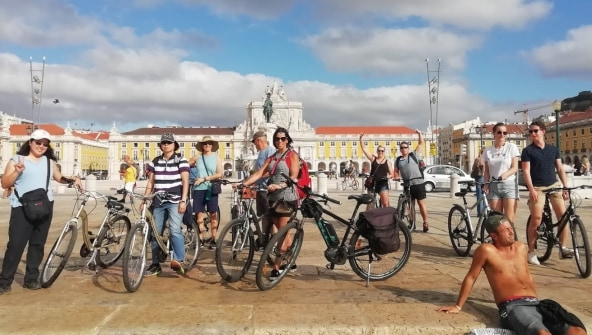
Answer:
(426, 227)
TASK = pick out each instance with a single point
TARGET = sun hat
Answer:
(40, 134)
(168, 137)
(205, 139)
(258, 135)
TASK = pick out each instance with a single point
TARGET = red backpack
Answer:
(303, 176)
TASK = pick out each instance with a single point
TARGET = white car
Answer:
(438, 176)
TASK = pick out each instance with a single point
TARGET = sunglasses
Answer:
(166, 142)
(283, 138)
(39, 143)
(379, 150)
(502, 132)
(404, 148)
(208, 143)
(530, 131)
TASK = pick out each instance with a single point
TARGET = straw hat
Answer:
(205, 139)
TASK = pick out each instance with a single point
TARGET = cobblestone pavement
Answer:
(313, 300)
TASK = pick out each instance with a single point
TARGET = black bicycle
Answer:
(285, 245)
(548, 238)
(406, 205)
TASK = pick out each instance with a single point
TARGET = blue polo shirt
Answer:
(542, 164)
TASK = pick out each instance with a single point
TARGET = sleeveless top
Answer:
(33, 177)
(288, 193)
(211, 163)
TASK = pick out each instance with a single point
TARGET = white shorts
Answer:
(129, 187)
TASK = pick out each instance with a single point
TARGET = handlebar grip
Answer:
(289, 181)
(332, 200)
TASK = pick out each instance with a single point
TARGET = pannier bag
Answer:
(380, 226)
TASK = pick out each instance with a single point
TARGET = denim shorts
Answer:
(522, 316)
(503, 190)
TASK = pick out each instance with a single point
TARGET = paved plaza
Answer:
(313, 300)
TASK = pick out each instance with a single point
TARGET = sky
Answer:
(201, 62)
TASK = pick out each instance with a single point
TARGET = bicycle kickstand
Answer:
(368, 277)
(92, 263)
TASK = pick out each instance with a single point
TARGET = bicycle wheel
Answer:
(290, 234)
(483, 234)
(111, 240)
(59, 255)
(191, 238)
(234, 250)
(581, 246)
(546, 239)
(406, 214)
(369, 265)
(459, 231)
(134, 258)
(355, 184)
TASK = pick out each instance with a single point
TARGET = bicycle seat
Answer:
(362, 198)
(461, 193)
(115, 204)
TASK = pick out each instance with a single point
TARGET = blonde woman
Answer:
(500, 162)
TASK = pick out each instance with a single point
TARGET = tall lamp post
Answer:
(557, 109)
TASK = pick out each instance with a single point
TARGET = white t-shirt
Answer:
(500, 160)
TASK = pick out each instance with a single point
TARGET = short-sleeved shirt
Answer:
(167, 174)
(409, 169)
(500, 160)
(542, 164)
(263, 155)
(130, 174)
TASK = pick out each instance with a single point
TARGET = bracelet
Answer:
(458, 307)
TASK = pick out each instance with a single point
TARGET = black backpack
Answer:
(381, 227)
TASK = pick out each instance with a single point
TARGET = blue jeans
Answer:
(479, 193)
(169, 211)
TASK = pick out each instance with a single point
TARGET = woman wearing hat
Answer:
(283, 200)
(209, 168)
(29, 170)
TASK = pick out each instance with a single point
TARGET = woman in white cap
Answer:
(209, 168)
(29, 170)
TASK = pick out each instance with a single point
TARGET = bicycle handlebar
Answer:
(309, 192)
(569, 189)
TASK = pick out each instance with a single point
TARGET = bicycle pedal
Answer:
(92, 267)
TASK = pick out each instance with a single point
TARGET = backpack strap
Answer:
(46, 181)
(278, 161)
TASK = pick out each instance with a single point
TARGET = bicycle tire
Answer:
(406, 215)
(546, 239)
(111, 240)
(459, 231)
(355, 184)
(483, 234)
(287, 258)
(234, 242)
(581, 246)
(58, 256)
(388, 264)
(191, 238)
(134, 258)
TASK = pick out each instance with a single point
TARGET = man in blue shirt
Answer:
(265, 151)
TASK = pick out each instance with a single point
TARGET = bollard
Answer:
(454, 186)
(90, 184)
(569, 173)
(322, 183)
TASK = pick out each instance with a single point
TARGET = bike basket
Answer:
(311, 208)
(248, 193)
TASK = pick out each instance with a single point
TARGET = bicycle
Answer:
(460, 227)
(284, 247)
(135, 255)
(241, 237)
(350, 181)
(375, 203)
(547, 238)
(105, 248)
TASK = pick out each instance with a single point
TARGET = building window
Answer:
(354, 143)
(582, 131)
(123, 153)
(193, 144)
(574, 133)
(124, 145)
(343, 144)
(147, 145)
(343, 153)
(135, 155)
(227, 155)
(227, 144)
(57, 154)
(332, 143)
(135, 144)
(182, 145)
(366, 143)
(57, 144)
(575, 144)
(332, 153)
(321, 144)
(354, 152)
(518, 143)
(376, 144)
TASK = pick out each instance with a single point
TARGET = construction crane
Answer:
(525, 111)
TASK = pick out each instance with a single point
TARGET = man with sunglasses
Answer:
(539, 163)
(407, 167)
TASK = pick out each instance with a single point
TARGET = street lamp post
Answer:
(557, 109)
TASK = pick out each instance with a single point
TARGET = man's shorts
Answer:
(418, 192)
(129, 187)
(555, 197)
(522, 316)
(502, 190)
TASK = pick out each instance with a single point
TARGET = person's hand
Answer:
(182, 207)
(418, 132)
(449, 309)
(361, 135)
(565, 195)
(20, 165)
(78, 184)
(273, 187)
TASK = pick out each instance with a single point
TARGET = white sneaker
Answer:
(533, 259)
(566, 252)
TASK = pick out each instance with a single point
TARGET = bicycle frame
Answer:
(481, 218)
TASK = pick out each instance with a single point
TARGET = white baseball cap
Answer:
(40, 134)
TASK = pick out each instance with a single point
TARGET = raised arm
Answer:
(364, 149)
(420, 142)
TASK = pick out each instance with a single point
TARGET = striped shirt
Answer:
(167, 174)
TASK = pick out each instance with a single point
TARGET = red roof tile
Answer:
(21, 129)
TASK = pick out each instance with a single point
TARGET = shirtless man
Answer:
(504, 263)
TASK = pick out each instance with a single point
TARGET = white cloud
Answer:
(567, 58)
(472, 14)
(389, 51)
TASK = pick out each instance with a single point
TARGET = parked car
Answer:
(438, 177)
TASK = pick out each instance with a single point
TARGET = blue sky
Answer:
(350, 62)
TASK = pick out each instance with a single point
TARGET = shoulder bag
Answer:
(36, 205)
